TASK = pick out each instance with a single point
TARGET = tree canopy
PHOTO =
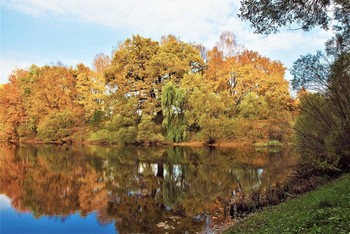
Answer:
(268, 16)
(151, 92)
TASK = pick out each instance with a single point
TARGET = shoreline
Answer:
(253, 221)
(195, 144)
(297, 186)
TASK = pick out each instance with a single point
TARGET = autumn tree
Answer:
(251, 86)
(91, 92)
(217, 73)
(131, 71)
(248, 72)
(13, 112)
(177, 58)
(148, 85)
(54, 91)
(140, 66)
(265, 77)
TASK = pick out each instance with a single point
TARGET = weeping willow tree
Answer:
(173, 101)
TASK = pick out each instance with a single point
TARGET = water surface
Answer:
(97, 189)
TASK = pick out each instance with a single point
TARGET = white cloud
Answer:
(9, 65)
(192, 20)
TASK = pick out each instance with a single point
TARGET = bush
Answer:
(148, 131)
(56, 126)
(26, 131)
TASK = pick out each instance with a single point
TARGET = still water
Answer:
(109, 189)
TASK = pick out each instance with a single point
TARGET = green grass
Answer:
(272, 143)
(326, 210)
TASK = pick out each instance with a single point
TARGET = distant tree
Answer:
(228, 44)
(101, 63)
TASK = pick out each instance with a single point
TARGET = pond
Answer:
(112, 189)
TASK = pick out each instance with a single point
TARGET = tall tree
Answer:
(140, 66)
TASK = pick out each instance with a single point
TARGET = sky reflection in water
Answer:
(12, 221)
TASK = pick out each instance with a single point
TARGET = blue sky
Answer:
(73, 31)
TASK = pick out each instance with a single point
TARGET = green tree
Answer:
(176, 58)
(324, 122)
(131, 67)
(148, 131)
(173, 103)
(122, 127)
(206, 112)
(253, 107)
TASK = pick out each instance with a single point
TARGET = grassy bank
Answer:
(325, 210)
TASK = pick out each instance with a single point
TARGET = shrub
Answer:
(148, 131)
(56, 126)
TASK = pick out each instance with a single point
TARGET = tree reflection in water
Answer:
(141, 189)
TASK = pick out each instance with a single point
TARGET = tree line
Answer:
(151, 92)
